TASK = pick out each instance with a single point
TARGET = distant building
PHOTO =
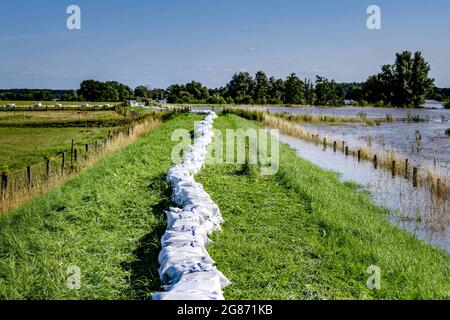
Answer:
(349, 102)
(433, 104)
(132, 103)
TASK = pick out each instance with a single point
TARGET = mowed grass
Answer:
(108, 221)
(28, 146)
(301, 234)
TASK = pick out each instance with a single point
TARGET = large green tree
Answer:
(293, 91)
(327, 93)
(261, 92)
(309, 90)
(405, 83)
(142, 92)
(276, 90)
(241, 87)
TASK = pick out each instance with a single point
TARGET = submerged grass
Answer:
(301, 234)
(435, 180)
(302, 118)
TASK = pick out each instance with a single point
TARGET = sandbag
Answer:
(186, 268)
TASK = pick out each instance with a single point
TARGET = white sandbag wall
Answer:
(186, 268)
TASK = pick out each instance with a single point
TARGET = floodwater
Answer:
(414, 209)
(424, 143)
(368, 112)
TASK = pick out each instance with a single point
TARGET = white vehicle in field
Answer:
(37, 105)
(10, 105)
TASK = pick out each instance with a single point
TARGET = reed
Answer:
(435, 180)
(300, 118)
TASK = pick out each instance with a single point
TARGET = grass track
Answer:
(108, 221)
(302, 234)
(297, 235)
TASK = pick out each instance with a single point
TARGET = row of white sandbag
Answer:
(185, 265)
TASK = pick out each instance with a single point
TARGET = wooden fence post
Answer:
(406, 168)
(4, 188)
(359, 155)
(71, 153)
(346, 150)
(63, 163)
(393, 168)
(415, 177)
(438, 187)
(375, 161)
(29, 177)
(47, 168)
(87, 151)
(334, 146)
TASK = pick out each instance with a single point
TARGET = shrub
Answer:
(447, 104)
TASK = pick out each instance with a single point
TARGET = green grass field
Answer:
(28, 137)
(49, 116)
(300, 234)
(51, 103)
(27, 146)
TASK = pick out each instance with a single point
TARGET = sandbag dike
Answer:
(186, 269)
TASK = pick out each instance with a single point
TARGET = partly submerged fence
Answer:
(435, 180)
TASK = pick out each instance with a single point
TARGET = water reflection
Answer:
(369, 112)
(413, 209)
(424, 143)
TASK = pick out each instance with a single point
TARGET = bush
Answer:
(361, 103)
(215, 99)
(447, 104)
(379, 104)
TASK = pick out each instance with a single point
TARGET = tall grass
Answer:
(302, 118)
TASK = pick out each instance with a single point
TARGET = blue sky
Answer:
(157, 43)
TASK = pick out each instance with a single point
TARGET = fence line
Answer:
(21, 185)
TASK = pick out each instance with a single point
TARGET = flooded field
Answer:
(425, 143)
(414, 209)
(442, 115)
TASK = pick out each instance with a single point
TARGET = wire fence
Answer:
(39, 175)
(18, 186)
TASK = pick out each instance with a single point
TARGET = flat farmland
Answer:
(20, 147)
(29, 117)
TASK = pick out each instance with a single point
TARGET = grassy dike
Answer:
(301, 234)
(108, 221)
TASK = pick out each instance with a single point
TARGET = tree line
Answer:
(405, 83)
